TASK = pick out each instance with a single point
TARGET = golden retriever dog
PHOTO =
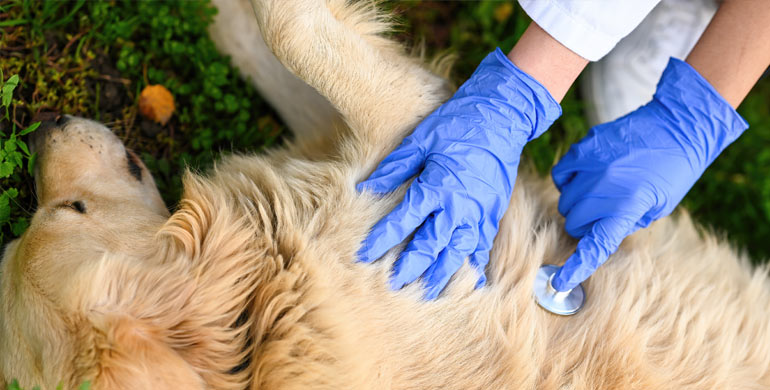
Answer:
(253, 282)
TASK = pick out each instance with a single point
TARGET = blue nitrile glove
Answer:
(627, 173)
(466, 154)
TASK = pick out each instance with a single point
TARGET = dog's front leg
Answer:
(235, 32)
(336, 48)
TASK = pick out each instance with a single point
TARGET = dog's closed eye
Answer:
(77, 205)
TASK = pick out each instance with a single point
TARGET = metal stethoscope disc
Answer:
(564, 303)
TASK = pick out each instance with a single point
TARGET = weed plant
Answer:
(14, 157)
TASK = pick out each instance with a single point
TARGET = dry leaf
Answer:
(156, 103)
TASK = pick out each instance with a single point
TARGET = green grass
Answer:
(92, 58)
(14, 385)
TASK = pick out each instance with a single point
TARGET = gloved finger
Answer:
(431, 238)
(581, 217)
(480, 257)
(479, 261)
(417, 205)
(401, 164)
(564, 171)
(578, 188)
(592, 251)
(646, 220)
(579, 159)
(463, 241)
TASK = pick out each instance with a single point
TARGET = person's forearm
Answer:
(548, 61)
(734, 50)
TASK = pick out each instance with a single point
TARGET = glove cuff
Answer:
(690, 99)
(517, 94)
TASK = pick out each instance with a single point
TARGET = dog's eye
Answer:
(77, 205)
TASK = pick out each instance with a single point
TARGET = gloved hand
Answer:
(627, 173)
(466, 154)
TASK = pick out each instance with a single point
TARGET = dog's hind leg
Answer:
(235, 32)
(336, 48)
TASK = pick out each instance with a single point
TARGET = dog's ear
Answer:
(174, 320)
(133, 355)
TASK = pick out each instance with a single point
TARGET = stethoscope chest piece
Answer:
(563, 303)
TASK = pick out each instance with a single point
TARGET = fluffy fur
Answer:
(253, 283)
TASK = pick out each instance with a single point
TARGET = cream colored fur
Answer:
(257, 268)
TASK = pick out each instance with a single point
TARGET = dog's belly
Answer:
(670, 308)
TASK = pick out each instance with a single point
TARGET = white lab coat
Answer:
(590, 28)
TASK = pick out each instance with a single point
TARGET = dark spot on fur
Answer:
(133, 165)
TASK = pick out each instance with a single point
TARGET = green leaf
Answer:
(14, 385)
(10, 145)
(17, 158)
(85, 386)
(30, 129)
(5, 209)
(11, 193)
(31, 164)
(23, 146)
(14, 22)
(8, 88)
(6, 169)
(13, 81)
(18, 227)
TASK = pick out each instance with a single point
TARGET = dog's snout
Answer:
(39, 135)
(46, 126)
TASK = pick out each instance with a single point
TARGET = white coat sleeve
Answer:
(590, 28)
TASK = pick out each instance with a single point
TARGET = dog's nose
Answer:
(46, 126)
(39, 135)
(62, 120)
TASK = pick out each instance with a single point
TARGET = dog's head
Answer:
(97, 206)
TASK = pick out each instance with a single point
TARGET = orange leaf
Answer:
(503, 12)
(156, 103)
